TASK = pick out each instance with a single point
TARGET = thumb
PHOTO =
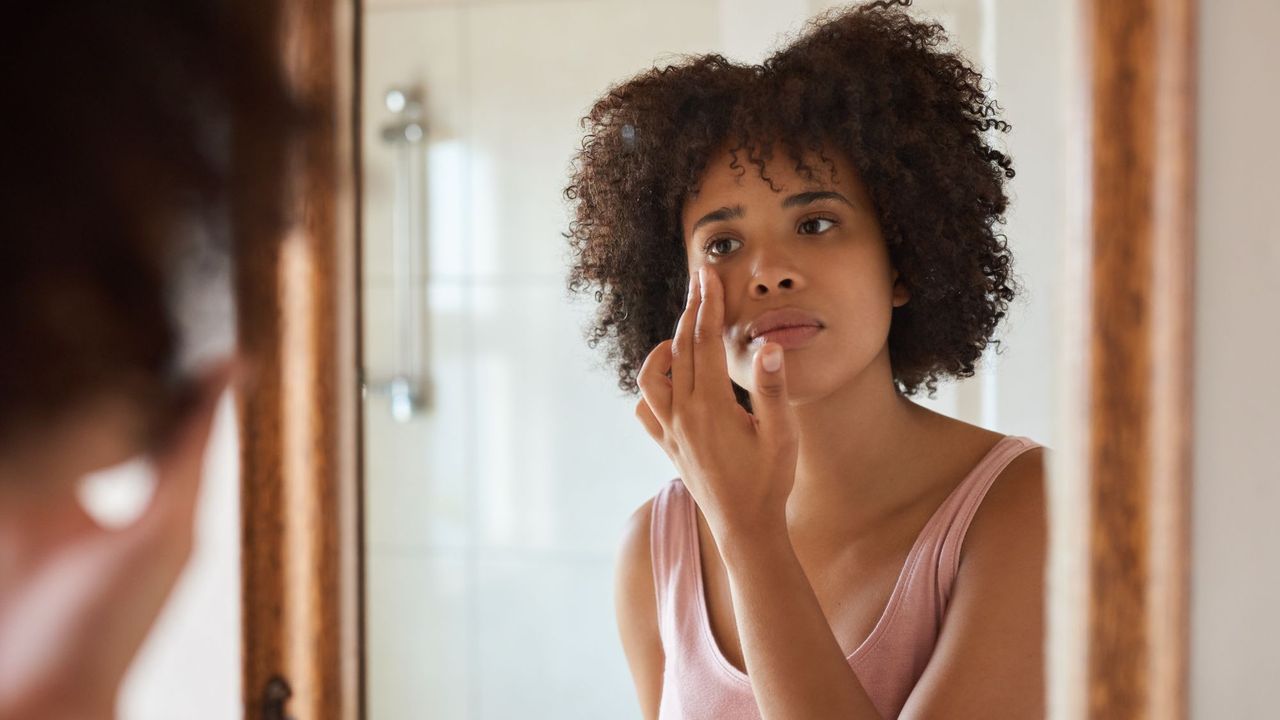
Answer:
(769, 401)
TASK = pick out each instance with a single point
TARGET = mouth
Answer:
(789, 327)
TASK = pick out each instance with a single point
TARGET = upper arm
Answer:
(635, 601)
(989, 659)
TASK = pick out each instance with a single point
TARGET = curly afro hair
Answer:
(146, 126)
(870, 82)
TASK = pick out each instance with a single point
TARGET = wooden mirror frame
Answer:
(1120, 552)
(298, 319)
(1124, 535)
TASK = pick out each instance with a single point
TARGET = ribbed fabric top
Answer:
(699, 683)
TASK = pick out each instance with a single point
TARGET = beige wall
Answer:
(1235, 635)
(189, 666)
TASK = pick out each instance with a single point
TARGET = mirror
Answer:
(501, 461)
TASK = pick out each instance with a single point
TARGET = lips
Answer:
(789, 326)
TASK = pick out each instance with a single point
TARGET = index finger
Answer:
(711, 369)
(682, 358)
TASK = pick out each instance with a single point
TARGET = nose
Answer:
(771, 278)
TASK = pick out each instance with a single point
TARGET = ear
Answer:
(900, 292)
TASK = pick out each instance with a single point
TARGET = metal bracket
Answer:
(274, 697)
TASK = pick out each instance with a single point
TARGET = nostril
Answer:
(786, 283)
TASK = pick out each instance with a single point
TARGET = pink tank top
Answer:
(699, 682)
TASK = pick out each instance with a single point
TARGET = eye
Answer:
(814, 225)
(718, 247)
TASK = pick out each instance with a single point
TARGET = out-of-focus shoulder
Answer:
(635, 535)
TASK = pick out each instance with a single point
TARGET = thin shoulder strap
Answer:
(968, 496)
(668, 538)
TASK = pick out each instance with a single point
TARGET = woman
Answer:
(831, 549)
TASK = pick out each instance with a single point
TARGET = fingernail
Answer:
(702, 282)
(772, 359)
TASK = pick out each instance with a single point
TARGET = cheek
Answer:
(867, 315)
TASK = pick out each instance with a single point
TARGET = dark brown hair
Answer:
(119, 129)
(870, 82)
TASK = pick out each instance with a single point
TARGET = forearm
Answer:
(67, 707)
(797, 667)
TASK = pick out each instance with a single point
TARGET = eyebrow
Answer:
(737, 211)
(724, 213)
(807, 198)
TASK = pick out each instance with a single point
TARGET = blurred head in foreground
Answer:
(140, 137)
(122, 129)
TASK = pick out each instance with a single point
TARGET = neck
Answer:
(853, 443)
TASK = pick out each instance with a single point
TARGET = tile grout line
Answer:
(471, 562)
(499, 553)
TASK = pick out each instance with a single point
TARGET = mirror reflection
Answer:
(870, 227)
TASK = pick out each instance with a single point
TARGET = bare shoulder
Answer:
(994, 625)
(636, 606)
(636, 592)
(635, 534)
(1014, 507)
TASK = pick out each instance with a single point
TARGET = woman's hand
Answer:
(71, 623)
(739, 466)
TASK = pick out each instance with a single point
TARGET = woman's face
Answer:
(808, 259)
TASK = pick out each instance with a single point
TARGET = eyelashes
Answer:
(815, 219)
(709, 248)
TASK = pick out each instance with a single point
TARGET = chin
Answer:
(804, 385)
(803, 393)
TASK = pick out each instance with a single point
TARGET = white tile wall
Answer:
(419, 46)
(494, 516)
(416, 472)
(547, 639)
(533, 69)
(421, 654)
(564, 460)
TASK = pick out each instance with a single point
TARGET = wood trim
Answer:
(300, 495)
(1140, 58)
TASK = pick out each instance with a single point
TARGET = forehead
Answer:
(726, 182)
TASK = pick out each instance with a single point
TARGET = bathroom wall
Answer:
(492, 517)
(1235, 564)
(189, 666)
